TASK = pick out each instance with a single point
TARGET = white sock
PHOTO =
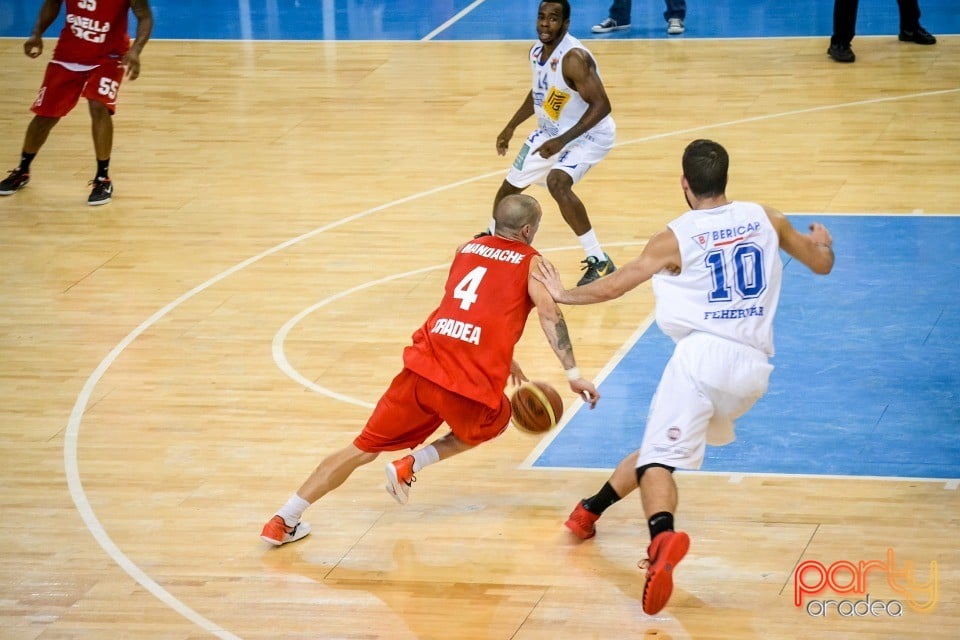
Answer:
(591, 246)
(426, 456)
(293, 510)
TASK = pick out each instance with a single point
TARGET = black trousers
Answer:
(845, 19)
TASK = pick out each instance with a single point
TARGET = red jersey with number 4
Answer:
(466, 345)
(94, 29)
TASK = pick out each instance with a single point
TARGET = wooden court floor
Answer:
(147, 430)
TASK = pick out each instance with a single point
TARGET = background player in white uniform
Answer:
(716, 274)
(574, 128)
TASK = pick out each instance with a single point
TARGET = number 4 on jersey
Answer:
(466, 289)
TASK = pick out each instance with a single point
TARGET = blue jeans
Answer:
(620, 10)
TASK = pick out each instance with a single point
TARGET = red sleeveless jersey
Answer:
(466, 345)
(94, 30)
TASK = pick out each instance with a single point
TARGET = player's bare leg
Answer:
(101, 124)
(333, 472)
(658, 492)
(597, 263)
(285, 526)
(574, 213)
(450, 445)
(619, 485)
(37, 132)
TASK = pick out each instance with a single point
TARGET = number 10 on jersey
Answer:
(746, 265)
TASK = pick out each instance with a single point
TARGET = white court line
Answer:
(279, 339)
(280, 356)
(578, 404)
(734, 477)
(71, 436)
(449, 23)
(737, 477)
(787, 114)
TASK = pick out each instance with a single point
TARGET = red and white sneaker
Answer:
(664, 553)
(276, 531)
(399, 478)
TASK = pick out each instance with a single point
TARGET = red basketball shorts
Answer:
(62, 88)
(412, 408)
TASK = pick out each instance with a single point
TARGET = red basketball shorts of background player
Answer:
(413, 407)
(62, 88)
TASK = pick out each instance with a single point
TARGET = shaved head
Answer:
(514, 212)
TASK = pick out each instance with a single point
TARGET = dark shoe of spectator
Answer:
(841, 53)
(918, 36)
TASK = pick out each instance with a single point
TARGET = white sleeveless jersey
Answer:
(729, 283)
(558, 106)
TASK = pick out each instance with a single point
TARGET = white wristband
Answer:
(573, 373)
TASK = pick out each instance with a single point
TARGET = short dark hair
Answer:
(564, 4)
(705, 165)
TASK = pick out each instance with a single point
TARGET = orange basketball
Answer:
(536, 406)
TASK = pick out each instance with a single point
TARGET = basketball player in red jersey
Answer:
(456, 369)
(90, 60)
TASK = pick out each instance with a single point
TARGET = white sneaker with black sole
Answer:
(609, 25)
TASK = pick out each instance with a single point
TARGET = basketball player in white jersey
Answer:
(716, 274)
(574, 128)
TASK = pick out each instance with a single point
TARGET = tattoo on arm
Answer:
(563, 336)
(564, 346)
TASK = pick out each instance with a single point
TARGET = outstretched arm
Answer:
(555, 329)
(814, 249)
(661, 253)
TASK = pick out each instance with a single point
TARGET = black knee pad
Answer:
(643, 469)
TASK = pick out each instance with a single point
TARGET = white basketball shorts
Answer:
(574, 159)
(708, 383)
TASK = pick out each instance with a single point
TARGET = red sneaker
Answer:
(665, 552)
(276, 531)
(581, 522)
(399, 478)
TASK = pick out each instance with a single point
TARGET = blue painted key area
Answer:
(867, 377)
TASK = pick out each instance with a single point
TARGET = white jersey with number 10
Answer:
(730, 278)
